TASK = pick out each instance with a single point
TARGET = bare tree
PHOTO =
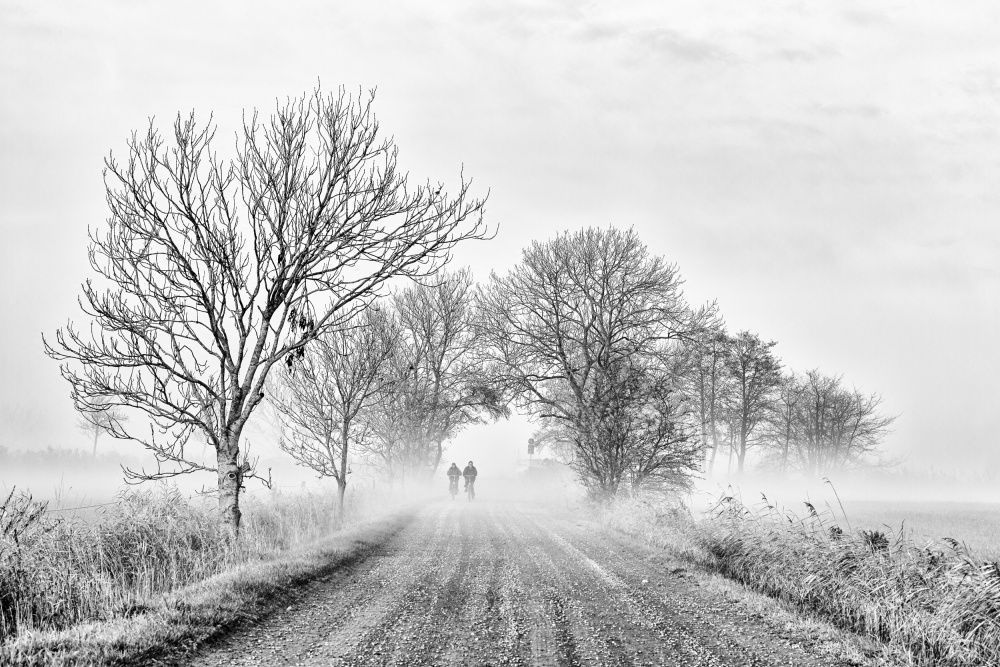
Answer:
(836, 428)
(707, 384)
(208, 263)
(320, 396)
(565, 323)
(755, 374)
(782, 425)
(443, 385)
(651, 419)
(96, 423)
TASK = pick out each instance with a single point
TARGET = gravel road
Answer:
(503, 584)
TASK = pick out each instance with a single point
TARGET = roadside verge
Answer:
(177, 624)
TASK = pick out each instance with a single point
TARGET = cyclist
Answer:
(453, 474)
(469, 474)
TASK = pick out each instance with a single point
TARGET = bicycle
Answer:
(470, 489)
(453, 486)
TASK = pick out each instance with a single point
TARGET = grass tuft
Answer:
(58, 572)
(937, 604)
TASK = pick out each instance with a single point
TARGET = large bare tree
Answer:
(567, 323)
(206, 263)
(321, 395)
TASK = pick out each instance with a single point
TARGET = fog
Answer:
(71, 476)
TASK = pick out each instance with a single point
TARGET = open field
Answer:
(933, 603)
(925, 509)
(977, 525)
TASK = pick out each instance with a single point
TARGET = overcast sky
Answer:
(827, 171)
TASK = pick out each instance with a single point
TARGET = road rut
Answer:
(504, 584)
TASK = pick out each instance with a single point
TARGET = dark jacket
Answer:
(470, 472)
(453, 471)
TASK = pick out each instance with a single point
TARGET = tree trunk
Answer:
(341, 489)
(438, 454)
(715, 450)
(230, 482)
(96, 433)
(729, 465)
(345, 431)
(742, 454)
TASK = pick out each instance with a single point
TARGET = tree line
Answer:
(224, 284)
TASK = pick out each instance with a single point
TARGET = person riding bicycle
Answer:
(469, 474)
(453, 474)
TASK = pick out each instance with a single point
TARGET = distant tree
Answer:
(567, 325)
(442, 384)
(836, 428)
(782, 426)
(756, 374)
(214, 270)
(96, 423)
(321, 395)
(707, 384)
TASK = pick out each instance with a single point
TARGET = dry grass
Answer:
(123, 569)
(177, 624)
(936, 605)
(975, 524)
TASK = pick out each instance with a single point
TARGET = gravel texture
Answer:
(505, 584)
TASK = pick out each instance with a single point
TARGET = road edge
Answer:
(793, 623)
(182, 622)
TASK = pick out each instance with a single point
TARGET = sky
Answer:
(828, 172)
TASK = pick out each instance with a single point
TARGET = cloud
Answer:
(681, 46)
(983, 82)
(805, 54)
(866, 18)
(864, 111)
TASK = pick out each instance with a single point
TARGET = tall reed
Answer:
(56, 571)
(937, 602)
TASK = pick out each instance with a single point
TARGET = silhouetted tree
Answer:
(755, 374)
(707, 384)
(836, 428)
(321, 396)
(567, 324)
(782, 425)
(212, 271)
(99, 421)
(442, 384)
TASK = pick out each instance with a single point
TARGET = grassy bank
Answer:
(155, 570)
(936, 604)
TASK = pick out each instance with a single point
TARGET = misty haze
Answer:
(544, 333)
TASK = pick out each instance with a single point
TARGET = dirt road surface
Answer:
(501, 584)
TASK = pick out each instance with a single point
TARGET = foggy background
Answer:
(827, 173)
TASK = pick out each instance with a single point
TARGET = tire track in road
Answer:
(506, 586)
(604, 630)
(674, 602)
(383, 630)
(620, 616)
(341, 609)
